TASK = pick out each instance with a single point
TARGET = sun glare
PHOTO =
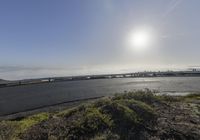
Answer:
(140, 39)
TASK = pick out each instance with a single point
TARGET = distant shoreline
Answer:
(105, 76)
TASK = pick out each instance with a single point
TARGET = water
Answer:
(22, 98)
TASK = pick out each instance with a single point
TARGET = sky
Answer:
(47, 38)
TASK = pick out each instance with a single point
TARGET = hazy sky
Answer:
(40, 38)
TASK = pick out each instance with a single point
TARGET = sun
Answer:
(140, 39)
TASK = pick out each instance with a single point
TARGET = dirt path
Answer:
(178, 120)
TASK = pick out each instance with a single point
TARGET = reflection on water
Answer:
(14, 99)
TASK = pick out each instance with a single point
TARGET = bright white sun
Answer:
(140, 39)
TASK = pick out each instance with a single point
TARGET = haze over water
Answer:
(59, 38)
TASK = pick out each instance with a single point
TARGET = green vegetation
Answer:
(12, 129)
(123, 116)
(191, 97)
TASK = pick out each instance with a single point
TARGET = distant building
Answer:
(194, 70)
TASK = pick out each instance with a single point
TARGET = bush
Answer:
(11, 130)
(115, 117)
(92, 121)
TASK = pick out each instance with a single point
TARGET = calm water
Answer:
(21, 98)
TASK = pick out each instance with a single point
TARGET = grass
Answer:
(110, 118)
(115, 117)
(13, 129)
(192, 96)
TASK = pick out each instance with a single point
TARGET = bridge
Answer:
(104, 76)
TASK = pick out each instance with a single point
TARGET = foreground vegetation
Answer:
(132, 115)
